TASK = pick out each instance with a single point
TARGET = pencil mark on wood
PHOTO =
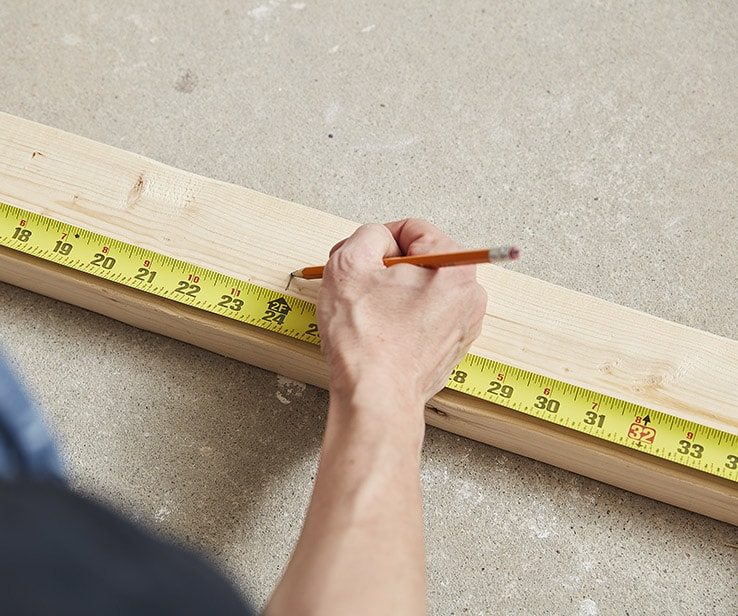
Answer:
(37, 153)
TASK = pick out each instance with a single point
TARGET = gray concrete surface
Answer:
(600, 136)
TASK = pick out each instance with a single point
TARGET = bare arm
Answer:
(390, 337)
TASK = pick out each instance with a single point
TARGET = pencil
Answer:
(465, 257)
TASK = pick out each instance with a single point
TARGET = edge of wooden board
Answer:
(530, 324)
(625, 468)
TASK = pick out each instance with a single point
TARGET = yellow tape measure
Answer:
(653, 432)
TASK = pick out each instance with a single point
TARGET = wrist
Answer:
(377, 409)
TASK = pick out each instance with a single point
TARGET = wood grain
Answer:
(529, 324)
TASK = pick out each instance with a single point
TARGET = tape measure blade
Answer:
(600, 416)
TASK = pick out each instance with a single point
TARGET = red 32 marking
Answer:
(639, 432)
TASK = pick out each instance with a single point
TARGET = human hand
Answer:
(404, 326)
(390, 336)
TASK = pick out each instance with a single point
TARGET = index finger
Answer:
(415, 236)
(365, 249)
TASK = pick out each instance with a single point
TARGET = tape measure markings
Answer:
(605, 417)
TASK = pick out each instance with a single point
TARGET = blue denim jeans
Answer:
(27, 450)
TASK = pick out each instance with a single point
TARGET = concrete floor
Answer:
(600, 136)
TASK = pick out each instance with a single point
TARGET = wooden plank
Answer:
(529, 323)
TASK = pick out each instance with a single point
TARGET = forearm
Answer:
(361, 549)
(390, 336)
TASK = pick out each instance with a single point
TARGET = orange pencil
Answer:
(465, 257)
